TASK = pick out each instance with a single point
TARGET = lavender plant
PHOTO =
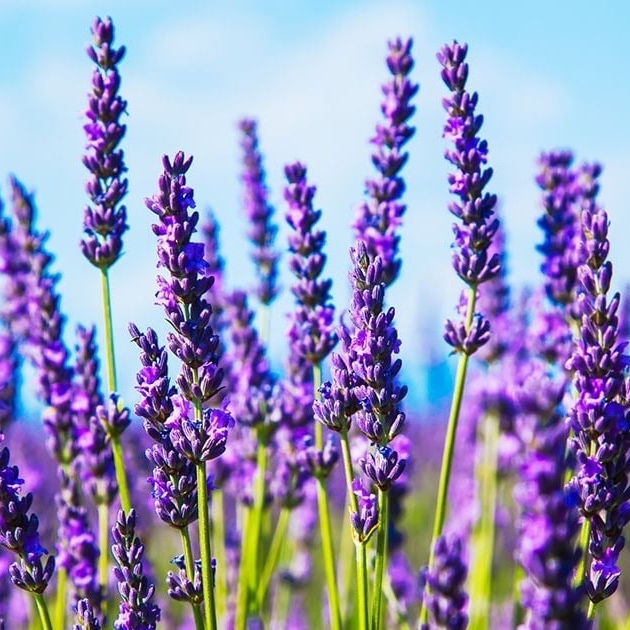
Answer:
(242, 449)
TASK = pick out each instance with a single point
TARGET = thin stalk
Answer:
(60, 600)
(325, 528)
(482, 541)
(112, 386)
(103, 535)
(190, 571)
(218, 544)
(242, 588)
(273, 556)
(362, 585)
(253, 563)
(381, 559)
(210, 615)
(42, 611)
(121, 475)
(360, 548)
(449, 444)
(109, 331)
(349, 576)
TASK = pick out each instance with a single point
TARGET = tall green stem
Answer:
(449, 443)
(360, 547)
(42, 610)
(109, 331)
(242, 588)
(103, 536)
(60, 600)
(328, 552)
(210, 615)
(273, 556)
(189, 561)
(381, 559)
(482, 541)
(255, 533)
(112, 386)
(218, 544)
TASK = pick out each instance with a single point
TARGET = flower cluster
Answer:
(104, 222)
(378, 218)
(599, 417)
(137, 609)
(473, 261)
(19, 531)
(262, 232)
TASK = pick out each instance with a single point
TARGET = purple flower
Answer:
(365, 519)
(473, 259)
(104, 222)
(262, 232)
(19, 531)
(192, 339)
(311, 332)
(78, 550)
(86, 619)
(8, 377)
(599, 416)
(136, 609)
(174, 478)
(378, 218)
(445, 598)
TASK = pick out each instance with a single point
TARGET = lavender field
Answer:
(265, 448)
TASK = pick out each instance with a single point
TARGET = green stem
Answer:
(328, 552)
(328, 555)
(42, 610)
(60, 600)
(112, 386)
(360, 548)
(242, 592)
(218, 544)
(273, 556)
(103, 559)
(362, 584)
(482, 540)
(109, 331)
(190, 571)
(210, 616)
(121, 475)
(449, 445)
(381, 559)
(257, 518)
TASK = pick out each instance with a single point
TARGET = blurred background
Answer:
(549, 75)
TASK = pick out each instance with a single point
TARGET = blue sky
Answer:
(549, 74)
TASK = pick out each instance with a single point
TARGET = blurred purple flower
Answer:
(262, 232)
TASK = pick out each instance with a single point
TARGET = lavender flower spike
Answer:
(472, 261)
(311, 332)
(137, 609)
(378, 218)
(104, 221)
(260, 213)
(446, 600)
(19, 531)
(599, 417)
